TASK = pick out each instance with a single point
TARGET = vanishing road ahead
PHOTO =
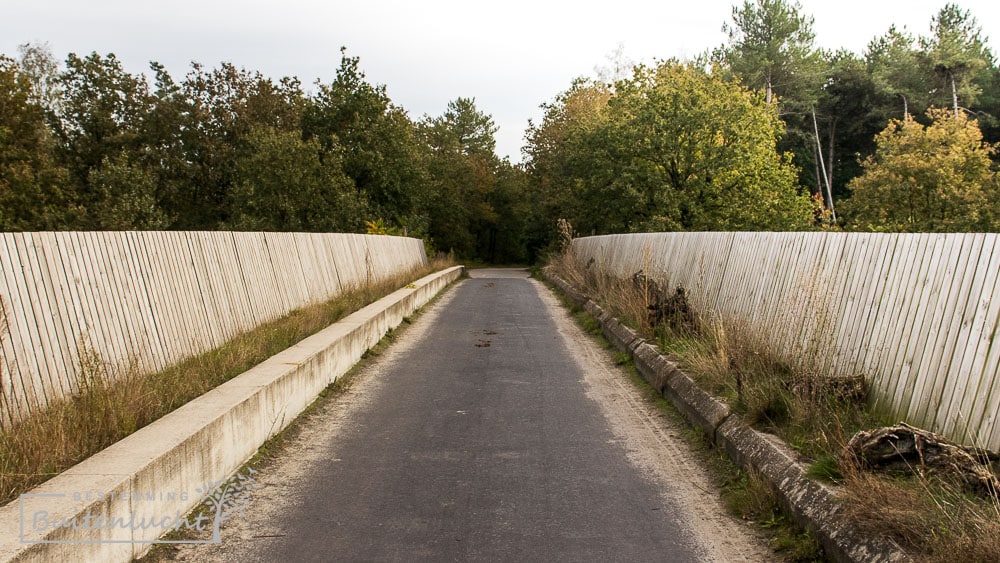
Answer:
(493, 429)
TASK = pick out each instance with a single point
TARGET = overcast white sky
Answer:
(510, 56)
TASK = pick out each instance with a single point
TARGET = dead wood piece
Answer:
(673, 309)
(905, 448)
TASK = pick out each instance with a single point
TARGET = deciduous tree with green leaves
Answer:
(282, 185)
(562, 152)
(34, 190)
(42, 70)
(671, 148)
(462, 167)
(99, 121)
(125, 193)
(376, 141)
(689, 150)
(212, 115)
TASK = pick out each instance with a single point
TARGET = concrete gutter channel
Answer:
(155, 473)
(811, 504)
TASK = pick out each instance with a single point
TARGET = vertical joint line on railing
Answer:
(243, 279)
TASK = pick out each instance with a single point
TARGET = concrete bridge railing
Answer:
(915, 313)
(155, 298)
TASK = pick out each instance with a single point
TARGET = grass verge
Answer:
(115, 402)
(931, 516)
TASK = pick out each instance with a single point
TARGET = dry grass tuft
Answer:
(733, 361)
(932, 517)
(115, 402)
(811, 413)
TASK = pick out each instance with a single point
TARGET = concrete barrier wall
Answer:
(154, 298)
(158, 473)
(917, 314)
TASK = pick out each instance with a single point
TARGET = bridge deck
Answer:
(492, 430)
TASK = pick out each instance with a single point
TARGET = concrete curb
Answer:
(93, 511)
(621, 336)
(700, 408)
(814, 506)
(570, 291)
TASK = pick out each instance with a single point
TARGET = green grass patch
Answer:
(825, 468)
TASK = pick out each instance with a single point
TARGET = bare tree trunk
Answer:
(830, 153)
(819, 175)
(826, 179)
(954, 93)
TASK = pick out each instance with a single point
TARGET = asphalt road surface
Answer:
(494, 430)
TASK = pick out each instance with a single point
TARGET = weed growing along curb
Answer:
(929, 515)
(745, 495)
(114, 403)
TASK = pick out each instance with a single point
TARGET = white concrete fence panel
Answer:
(154, 298)
(917, 314)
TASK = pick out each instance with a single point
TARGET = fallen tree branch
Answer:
(904, 448)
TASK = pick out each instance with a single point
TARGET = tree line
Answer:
(87, 145)
(769, 132)
(765, 132)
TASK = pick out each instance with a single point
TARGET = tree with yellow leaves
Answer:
(933, 178)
